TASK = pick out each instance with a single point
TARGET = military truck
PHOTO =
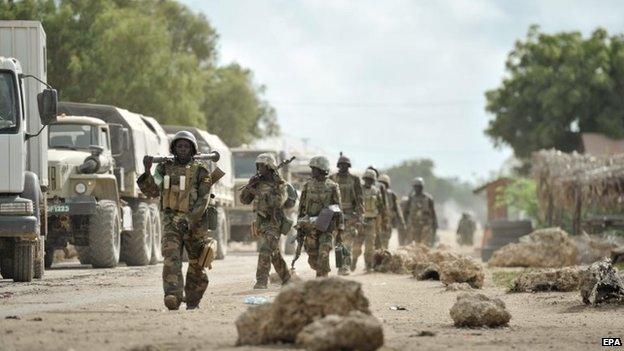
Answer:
(95, 156)
(25, 108)
(223, 191)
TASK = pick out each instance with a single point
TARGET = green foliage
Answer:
(233, 109)
(520, 196)
(558, 86)
(154, 57)
(442, 189)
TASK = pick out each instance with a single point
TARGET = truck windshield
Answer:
(245, 164)
(8, 101)
(72, 136)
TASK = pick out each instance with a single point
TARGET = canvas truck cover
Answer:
(143, 140)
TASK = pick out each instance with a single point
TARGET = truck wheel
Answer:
(137, 244)
(83, 254)
(221, 235)
(24, 262)
(104, 235)
(6, 262)
(39, 259)
(157, 238)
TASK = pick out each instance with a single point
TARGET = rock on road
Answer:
(76, 307)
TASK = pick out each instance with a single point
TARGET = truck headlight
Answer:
(80, 188)
(17, 208)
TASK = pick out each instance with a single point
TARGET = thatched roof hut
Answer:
(571, 181)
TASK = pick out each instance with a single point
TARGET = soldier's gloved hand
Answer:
(183, 225)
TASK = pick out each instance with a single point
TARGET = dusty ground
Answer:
(76, 307)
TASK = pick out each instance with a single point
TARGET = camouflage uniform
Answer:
(465, 230)
(352, 204)
(315, 196)
(268, 196)
(393, 211)
(421, 217)
(373, 209)
(382, 227)
(403, 231)
(184, 191)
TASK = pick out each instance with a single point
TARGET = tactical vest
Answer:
(179, 188)
(420, 211)
(318, 196)
(371, 202)
(347, 191)
(267, 198)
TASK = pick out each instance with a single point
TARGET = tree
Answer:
(154, 57)
(558, 86)
(233, 107)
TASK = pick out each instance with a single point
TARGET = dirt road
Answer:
(76, 307)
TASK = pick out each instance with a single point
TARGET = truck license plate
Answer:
(58, 208)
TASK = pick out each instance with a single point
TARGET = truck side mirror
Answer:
(48, 106)
(117, 138)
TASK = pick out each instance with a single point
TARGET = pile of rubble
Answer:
(601, 283)
(563, 279)
(429, 264)
(321, 314)
(478, 310)
(544, 248)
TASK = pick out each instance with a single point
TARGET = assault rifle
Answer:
(256, 178)
(211, 156)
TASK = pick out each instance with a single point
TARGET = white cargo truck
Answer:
(25, 108)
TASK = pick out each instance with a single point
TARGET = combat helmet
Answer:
(370, 174)
(418, 181)
(343, 159)
(320, 162)
(183, 135)
(384, 178)
(267, 159)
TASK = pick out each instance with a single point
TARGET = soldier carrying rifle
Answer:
(270, 195)
(183, 183)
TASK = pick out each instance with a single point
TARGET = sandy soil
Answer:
(76, 307)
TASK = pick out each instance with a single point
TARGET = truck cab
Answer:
(80, 169)
(22, 204)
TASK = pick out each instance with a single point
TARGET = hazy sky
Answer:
(385, 81)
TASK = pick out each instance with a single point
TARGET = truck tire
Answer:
(83, 254)
(104, 235)
(6, 267)
(24, 262)
(157, 237)
(137, 244)
(221, 234)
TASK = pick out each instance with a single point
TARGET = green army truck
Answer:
(95, 156)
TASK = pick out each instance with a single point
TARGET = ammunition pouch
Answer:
(292, 196)
(210, 220)
(286, 225)
(208, 253)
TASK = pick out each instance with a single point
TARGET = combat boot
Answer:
(260, 285)
(343, 271)
(172, 302)
(192, 306)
